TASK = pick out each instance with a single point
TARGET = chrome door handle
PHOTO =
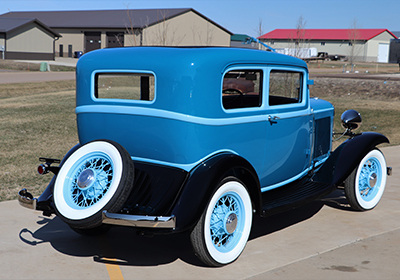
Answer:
(272, 119)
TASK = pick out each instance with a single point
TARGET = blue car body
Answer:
(186, 122)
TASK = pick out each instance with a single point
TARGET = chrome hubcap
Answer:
(231, 223)
(86, 178)
(372, 180)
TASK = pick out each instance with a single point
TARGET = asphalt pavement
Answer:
(324, 240)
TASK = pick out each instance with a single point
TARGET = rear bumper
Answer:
(139, 221)
(26, 199)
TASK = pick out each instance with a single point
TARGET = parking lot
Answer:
(323, 240)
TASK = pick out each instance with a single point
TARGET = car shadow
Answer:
(124, 247)
(337, 199)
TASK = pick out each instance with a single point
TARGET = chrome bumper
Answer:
(138, 221)
(25, 199)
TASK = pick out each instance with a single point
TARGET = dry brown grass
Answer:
(33, 123)
(362, 67)
(26, 66)
(377, 101)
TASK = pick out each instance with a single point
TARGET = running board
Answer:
(293, 195)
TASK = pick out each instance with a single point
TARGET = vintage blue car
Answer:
(199, 140)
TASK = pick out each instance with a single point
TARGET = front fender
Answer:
(347, 156)
(204, 180)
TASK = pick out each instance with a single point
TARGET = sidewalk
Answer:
(62, 61)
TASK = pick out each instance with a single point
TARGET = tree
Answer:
(354, 42)
(298, 39)
(260, 31)
(134, 35)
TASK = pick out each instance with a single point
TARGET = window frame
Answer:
(245, 68)
(303, 87)
(94, 80)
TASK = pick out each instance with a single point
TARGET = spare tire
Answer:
(97, 176)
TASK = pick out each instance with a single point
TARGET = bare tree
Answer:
(260, 31)
(298, 39)
(132, 34)
(354, 42)
(160, 34)
(163, 33)
(260, 28)
(209, 35)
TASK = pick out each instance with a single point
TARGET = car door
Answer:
(288, 127)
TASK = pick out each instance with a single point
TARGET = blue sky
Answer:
(243, 16)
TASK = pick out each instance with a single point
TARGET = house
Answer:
(89, 30)
(360, 44)
(26, 38)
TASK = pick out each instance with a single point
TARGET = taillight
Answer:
(42, 169)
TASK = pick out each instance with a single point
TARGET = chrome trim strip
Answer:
(138, 221)
(26, 200)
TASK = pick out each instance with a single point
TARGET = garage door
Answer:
(92, 41)
(383, 52)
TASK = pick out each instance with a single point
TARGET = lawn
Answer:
(34, 121)
(38, 119)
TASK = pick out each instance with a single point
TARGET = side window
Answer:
(285, 87)
(242, 89)
(132, 86)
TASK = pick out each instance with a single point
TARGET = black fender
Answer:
(347, 156)
(45, 200)
(203, 182)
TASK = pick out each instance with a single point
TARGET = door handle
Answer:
(272, 119)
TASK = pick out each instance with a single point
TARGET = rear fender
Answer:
(347, 156)
(204, 180)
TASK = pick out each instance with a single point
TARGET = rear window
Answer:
(131, 86)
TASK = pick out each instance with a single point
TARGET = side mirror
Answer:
(351, 119)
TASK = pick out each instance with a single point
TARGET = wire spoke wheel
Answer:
(98, 176)
(223, 230)
(366, 184)
(91, 181)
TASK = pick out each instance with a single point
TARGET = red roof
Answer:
(323, 34)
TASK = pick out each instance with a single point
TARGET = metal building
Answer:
(26, 38)
(364, 44)
(84, 31)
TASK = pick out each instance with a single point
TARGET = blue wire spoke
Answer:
(224, 205)
(103, 172)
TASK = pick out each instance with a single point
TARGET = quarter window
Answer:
(242, 89)
(285, 87)
(133, 86)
